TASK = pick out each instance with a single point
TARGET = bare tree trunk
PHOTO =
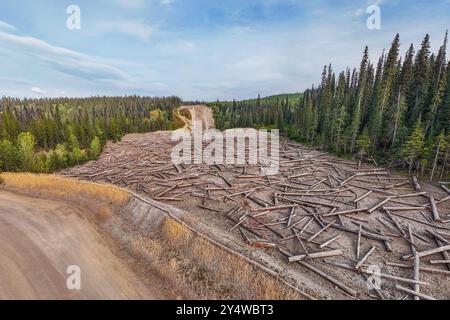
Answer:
(397, 116)
(435, 160)
(444, 165)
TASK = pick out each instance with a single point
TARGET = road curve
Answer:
(39, 239)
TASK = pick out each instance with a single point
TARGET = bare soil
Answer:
(41, 238)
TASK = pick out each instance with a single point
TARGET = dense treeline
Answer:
(44, 135)
(396, 111)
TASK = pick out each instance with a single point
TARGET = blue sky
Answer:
(202, 49)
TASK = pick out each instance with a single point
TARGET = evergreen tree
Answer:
(95, 148)
(363, 143)
(413, 148)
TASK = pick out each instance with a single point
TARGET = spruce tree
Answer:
(413, 148)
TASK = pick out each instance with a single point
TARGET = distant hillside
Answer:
(293, 98)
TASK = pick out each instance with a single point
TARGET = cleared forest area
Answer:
(324, 223)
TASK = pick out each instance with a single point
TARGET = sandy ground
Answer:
(41, 238)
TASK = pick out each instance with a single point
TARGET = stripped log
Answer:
(440, 261)
(403, 208)
(320, 231)
(444, 187)
(365, 195)
(428, 252)
(416, 184)
(297, 223)
(275, 208)
(416, 264)
(345, 212)
(358, 244)
(434, 210)
(441, 241)
(420, 295)
(391, 277)
(381, 203)
(334, 281)
(316, 255)
(364, 259)
(423, 269)
(327, 243)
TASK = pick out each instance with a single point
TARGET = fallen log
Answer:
(276, 208)
(428, 252)
(391, 277)
(417, 294)
(344, 212)
(434, 210)
(403, 208)
(363, 196)
(381, 203)
(416, 264)
(363, 233)
(416, 184)
(327, 243)
(358, 243)
(440, 261)
(323, 275)
(424, 269)
(364, 259)
(316, 255)
(444, 187)
(320, 231)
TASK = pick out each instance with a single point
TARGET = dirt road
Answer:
(200, 113)
(41, 238)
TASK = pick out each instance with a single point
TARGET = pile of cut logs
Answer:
(321, 213)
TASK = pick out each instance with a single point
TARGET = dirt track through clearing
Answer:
(41, 238)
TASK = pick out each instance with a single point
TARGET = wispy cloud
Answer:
(64, 60)
(37, 90)
(6, 26)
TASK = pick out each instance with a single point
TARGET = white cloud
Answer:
(134, 28)
(165, 2)
(37, 90)
(6, 26)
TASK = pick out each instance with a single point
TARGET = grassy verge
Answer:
(213, 273)
(101, 200)
(60, 188)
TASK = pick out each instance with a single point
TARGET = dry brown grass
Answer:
(60, 188)
(96, 201)
(196, 265)
(213, 273)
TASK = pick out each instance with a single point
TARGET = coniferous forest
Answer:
(394, 111)
(45, 135)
